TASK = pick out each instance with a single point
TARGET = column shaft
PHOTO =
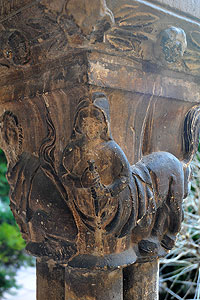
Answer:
(141, 281)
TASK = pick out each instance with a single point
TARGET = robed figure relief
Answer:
(99, 180)
(94, 205)
(117, 205)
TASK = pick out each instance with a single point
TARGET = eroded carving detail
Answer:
(172, 42)
(13, 5)
(97, 211)
(161, 182)
(131, 29)
(43, 215)
(15, 48)
(12, 136)
(93, 19)
(191, 133)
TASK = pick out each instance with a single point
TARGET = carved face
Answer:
(173, 44)
(11, 135)
(91, 122)
(15, 47)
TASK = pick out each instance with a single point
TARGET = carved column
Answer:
(99, 104)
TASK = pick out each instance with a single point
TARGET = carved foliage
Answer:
(192, 55)
(131, 29)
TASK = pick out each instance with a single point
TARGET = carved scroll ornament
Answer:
(96, 210)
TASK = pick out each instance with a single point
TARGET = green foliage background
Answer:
(12, 254)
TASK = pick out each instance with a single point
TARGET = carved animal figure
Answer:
(162, 183)
(37, 198)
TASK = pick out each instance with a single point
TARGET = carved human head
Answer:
(92, 118)
(14, 47)
(172, 44)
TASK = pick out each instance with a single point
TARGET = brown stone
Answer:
(141, 281)
(99, 106)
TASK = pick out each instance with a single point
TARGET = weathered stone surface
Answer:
(63, 283)
(49, 45)
(101, 285)
(141, 281)
(99, 106)
(93, 209)
(50, 281)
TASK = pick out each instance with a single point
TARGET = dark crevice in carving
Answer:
(110, 228)
(191, 133)
(47, 148)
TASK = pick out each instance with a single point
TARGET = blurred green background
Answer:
(12, 254)
(179, 271)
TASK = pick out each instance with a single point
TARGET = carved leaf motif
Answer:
(192, 60)
(124, 11)
(129, 34)
(195, 37)
(123, 44)
(138, 20)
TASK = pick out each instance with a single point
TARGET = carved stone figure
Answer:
(171, 44)
(98, 210)
(162, 183)
(93, 19)
(97, 175)
(42, 214)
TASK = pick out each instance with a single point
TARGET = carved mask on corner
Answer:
(11, 136)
